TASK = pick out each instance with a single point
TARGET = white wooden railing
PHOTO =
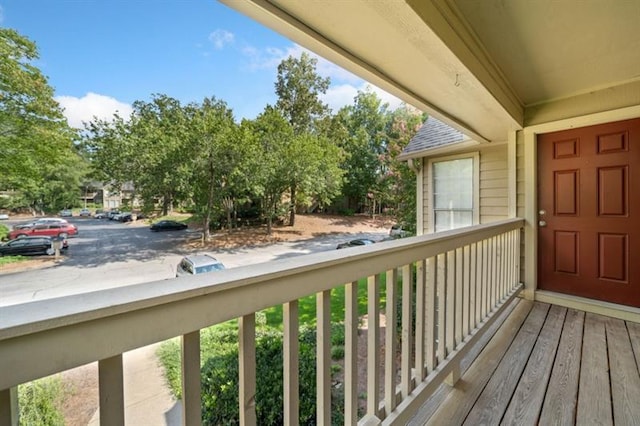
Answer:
(462, 278)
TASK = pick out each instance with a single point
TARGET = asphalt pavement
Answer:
(108, 254)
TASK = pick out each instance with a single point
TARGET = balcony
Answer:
(464, 286)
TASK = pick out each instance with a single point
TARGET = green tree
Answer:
(299, 87)
(364, 141)
(273, 135)
(110, 149)
(216, 159)
(400, 180)
(313, 170)
(160, 167)
(33, 130)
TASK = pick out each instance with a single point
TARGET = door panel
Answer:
(588, 201)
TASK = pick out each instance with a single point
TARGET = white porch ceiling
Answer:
(484, 67)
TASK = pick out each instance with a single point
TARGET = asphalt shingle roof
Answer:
(433, 133)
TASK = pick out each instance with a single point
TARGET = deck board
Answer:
(556, 366)
(520, 309)
(634, 336)
(560, 402)
(524, 408)
(461, 398)
(625, 381)
(594, 397)
(495, 397)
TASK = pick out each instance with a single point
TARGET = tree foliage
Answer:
(39, 160)
(293, 156)
(216, 159)
(298, 87)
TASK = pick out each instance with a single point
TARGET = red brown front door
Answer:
(588, 212)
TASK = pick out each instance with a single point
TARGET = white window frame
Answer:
(475, 156)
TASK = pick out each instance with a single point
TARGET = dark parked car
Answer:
(356, 243)
(168, 225)
(125, 217)
(30, 245)
(198, 264)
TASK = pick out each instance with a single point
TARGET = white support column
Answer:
(351, 354)
(466, 294)
(512, 173)
(9, 407)
(441, 280)
(450, 302)
(459, 290)
(110, 377)
(247, 360)
(291, 364)
(431, 316)
(407, 334)
(420, 320)
(473, 287)
(390, 342)
(323, 358)
(191, 400)
(486, 276)
(373, 345)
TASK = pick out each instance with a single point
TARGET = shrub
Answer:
(40, 402)
(220, 381)
(220, 375)
(4, 231)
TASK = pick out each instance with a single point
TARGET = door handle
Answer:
(542, 224)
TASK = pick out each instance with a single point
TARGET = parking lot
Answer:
(109, 254)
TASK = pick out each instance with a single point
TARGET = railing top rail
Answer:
(27, 318)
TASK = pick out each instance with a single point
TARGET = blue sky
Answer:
(102, 55)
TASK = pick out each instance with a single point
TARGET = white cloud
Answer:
(324, 67)
(341, 95)
(270, 58)
(91, 105)
(220, 38)
(344, 85)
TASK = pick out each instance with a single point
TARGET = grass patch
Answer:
(5, 260)
(307, 305)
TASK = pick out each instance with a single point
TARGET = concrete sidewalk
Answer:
(148, 401)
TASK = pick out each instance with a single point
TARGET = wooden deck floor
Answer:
(546, 365)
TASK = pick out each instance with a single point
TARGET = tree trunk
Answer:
(207, 216)
(165, 206)
(292, 206)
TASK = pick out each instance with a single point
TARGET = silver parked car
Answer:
(198, 264)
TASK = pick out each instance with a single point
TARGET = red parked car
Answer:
(62, 230)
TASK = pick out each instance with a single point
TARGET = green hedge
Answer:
(220, 375)
(40, 402)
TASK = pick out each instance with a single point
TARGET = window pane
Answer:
(445, 220)
(453, 184)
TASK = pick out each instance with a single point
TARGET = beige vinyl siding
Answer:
(494, 185)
